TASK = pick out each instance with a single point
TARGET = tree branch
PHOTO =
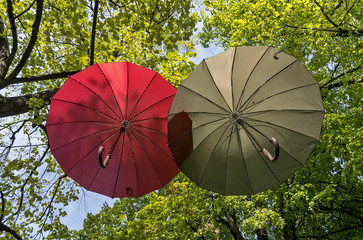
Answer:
(326, 16)
(32, 41)
(334, 232)
(2, 206)
(28, 8)
(192, 227)
(7, 229)
(38, 78)
(232, 225)
(93, 36)
(332, 79)
(10, 106)
(25, 183)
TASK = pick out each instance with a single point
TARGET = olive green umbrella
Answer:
(254, 117)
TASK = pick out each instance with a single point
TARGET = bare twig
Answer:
(30, 6)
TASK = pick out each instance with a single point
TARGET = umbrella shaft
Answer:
(116, 141)
(240, 122)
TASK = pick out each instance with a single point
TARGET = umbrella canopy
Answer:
(255, 117)
(118, 108)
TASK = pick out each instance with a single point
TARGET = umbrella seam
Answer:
(138, 100)
(277, 94)
(95, 94)
(81, 105)
(248, 100)
(114, 95)
(249, 76)
(210, 74)
(225, 110)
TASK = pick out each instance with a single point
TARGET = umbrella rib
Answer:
(226, 160)
(249, 76)
(150, 129)
(268, 80)
(119, 164)
(222, 108)
(232, 70)
(94, 122)
(148, 119)
(215, 146)
(210, 74)
(114, 95)
(243, 158)
(88, 135)
(81, 105)
(96, 95)
(144, 136)
(279, 110)
(142, 94)
(268, 139)
(137, 174)
(276, 94)
(207, 113)
(152, 105)
(148, 157)
(269, 123)
(127, 88)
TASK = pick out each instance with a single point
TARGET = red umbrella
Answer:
(120, 108)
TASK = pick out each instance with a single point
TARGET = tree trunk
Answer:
(262, 234)
(232, 225)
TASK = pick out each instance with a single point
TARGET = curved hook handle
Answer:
(103, 163)
(277, 151)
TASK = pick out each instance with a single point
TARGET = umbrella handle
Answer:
(277, 151)
(103, 163)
